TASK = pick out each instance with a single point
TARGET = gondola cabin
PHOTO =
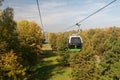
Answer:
(75, 43)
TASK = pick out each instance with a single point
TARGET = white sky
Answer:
(57, 15)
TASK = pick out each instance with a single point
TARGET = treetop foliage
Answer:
(7, 30)
(20, 46)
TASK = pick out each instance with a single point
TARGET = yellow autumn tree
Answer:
(11, 68)
(29, 35)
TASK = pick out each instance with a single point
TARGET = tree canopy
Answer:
(7, 31)
(100, 55)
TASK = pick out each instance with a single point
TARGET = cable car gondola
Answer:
(75, 43)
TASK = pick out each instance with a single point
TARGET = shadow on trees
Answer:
(44, 72)
(48, 53)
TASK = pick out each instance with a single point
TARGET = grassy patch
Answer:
(61, 74)
(50, 69)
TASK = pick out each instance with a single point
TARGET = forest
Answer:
(22, 56)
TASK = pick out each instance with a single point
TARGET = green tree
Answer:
(8, 42)
(8, 36)
(109, 67)
(52, 41)
(85, 63)
(61, 42)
